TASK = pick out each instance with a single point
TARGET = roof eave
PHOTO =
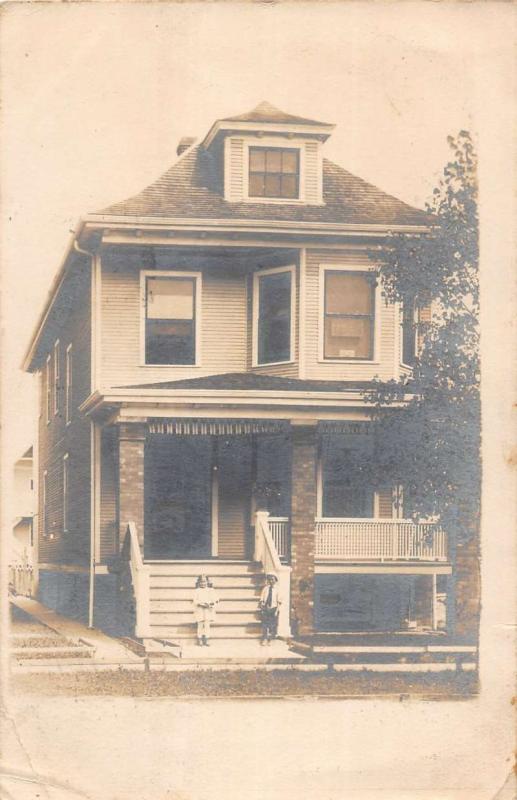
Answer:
(322, 130)
(28, 359)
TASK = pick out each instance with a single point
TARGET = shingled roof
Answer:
(191, 189)
(266, 112)
(246, 381)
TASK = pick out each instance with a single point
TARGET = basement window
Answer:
(171, 326)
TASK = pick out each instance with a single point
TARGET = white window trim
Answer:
(255, 315)
(56, 377)
(321, 315)
(48, 390)
(160, 273)
(278, 144)
(68, 383)
(44, 503)
(66, 487)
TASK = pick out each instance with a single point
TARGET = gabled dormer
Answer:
(269, 156)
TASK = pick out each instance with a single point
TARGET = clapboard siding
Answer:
(224, 328)
(384, 365)
(313, 176)
(56, 439)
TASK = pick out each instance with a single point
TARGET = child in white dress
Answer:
(205, 601)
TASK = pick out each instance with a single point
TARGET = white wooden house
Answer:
(203, 359)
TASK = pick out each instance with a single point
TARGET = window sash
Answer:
(277, 176)
(68, 383)
(172, 340)
(65, 493)
(330, 318)
(273, 324)
(48, 390)
(55, 398)
(409, 334)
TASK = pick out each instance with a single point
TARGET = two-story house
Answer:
(203, 358)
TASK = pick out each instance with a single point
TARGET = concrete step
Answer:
(250, 592)
(210, 568)
(250, 631)
(226, 605)
(187, 618)
(235, 581)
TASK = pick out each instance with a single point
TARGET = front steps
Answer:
(237, 583)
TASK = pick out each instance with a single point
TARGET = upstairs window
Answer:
(48, 389)
(409, 333)
(348, 315)
(274, 172)
(171, 317)
(274, 316)
(57, 376)
(68, 384)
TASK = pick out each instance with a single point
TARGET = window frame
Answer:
(56, 377)
(68, 383)
(375, 324)
(291, 268)
(396, 513)
(271, 143)
(265, 149)
(44, 505)
(198, 284)
(48, 389)
(66, 491)
(415, 336)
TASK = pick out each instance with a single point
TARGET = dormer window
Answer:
(274, 172)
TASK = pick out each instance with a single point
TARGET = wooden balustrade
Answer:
(280, 532)
(379, 540)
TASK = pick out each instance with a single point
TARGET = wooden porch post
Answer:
(131, 478)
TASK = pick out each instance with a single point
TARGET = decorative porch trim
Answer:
(216, 427)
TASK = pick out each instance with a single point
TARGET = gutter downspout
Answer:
(91, 592)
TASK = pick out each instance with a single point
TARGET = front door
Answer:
(234, 498)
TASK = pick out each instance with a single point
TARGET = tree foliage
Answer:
(431, 446)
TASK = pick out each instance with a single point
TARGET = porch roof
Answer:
(242, 381)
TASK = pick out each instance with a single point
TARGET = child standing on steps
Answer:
(269, 606)
(205, 601)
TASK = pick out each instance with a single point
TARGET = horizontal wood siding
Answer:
(385, 500)
(224, 324)
(312, 172)
(384, 367)
(234, 179)
(57, 438)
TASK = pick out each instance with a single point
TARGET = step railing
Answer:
(21, 579)
(379, 540)
(266, 552)
(280, 532)
(140, 578)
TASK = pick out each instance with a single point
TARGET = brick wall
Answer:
(131, 478)
(303, 514)
(467, 588)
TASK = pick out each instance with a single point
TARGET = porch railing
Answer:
(21, 579)
(267, 553)
(280, 532)
(379, 540)
(140, 575)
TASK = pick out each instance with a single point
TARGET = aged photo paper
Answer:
(258, 365)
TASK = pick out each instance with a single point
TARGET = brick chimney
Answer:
(184, 144)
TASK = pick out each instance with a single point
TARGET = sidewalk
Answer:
(107, 651)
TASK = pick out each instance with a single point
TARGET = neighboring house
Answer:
(203, 360)
(21, 556)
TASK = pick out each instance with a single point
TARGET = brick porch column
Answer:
(303, 514)
(467, 587)
(131, 478)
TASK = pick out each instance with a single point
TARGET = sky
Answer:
(95, 97)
